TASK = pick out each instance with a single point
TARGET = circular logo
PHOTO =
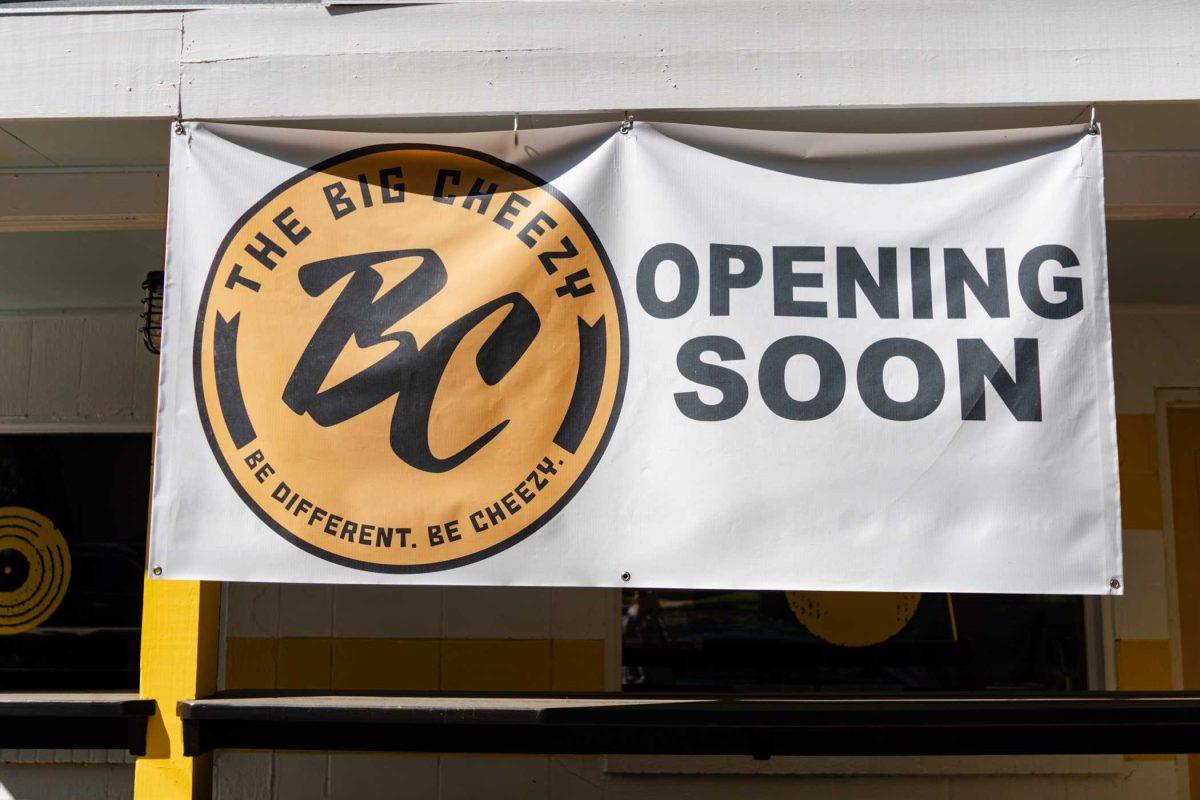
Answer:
(854, 619)
(35, 569)
(409, 357)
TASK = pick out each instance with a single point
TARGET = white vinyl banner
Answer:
(660, 356)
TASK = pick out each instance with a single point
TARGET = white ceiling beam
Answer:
(657, 54)
(308, 61)
(89, 65)
(89, 200)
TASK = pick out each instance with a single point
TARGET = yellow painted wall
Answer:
(1137, 446)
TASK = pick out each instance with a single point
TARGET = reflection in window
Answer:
(72, 559)
(696, 641)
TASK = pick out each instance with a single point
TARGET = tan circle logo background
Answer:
(555, 404)
(854, 619)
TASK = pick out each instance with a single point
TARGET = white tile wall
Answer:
(473, 777)
(577, 778)
(243, 776)
(783, 788)
(300, 776)
(372, 776)
(305, 610)
(56, 358)
(1020, 787)
(496, 612)
(351, 776)
(16, 334)
(106, 377)
(417, 612)
(401, 612)
(582, 613)
(65, 782)
(251, 609)
(79, 368)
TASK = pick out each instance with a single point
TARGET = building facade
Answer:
(86, 108)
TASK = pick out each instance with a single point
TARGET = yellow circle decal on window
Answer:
(35, 569)
(409, 357)
(854, 619)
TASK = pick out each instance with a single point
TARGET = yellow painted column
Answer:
(180, 630)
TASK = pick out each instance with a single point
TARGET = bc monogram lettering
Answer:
(408, 371)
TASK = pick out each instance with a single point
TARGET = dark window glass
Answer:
(94, 489)
(813, 642)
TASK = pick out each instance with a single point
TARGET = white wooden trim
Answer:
(593, 55)
(90, 65)
(1152, 185)
(308, 61)
(83, 200)
(68, 426)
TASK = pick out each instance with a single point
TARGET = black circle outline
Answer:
(522, 534)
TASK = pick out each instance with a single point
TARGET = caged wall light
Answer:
(152, 304)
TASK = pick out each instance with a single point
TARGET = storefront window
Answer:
(699, 641)
(72, 553)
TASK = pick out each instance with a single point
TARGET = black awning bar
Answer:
(74, 721)
(1086, 723)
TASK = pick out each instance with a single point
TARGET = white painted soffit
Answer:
(1138, 186)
